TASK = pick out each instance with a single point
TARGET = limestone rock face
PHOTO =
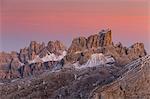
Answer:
(5, 58)
(85, 56)
(8, 64)
(105, 37)
(59, 45)
(35, 49)
(56, 47)
(78, 44)
(122, 54)
(93, 41)
(50, 46)
(30, 53)
(82, 44)
(13, 68)
(43, 53)
(24, 55)
(72, 57)
(136, 50)
(120, 49)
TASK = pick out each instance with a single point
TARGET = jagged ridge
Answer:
(37, 58)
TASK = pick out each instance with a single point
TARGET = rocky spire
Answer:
(105, 37)
(93, 41)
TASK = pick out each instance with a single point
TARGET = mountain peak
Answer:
(103, 38)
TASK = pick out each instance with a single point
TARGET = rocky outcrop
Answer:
(30, 53)
(90, 44)
(105, 37)
(120, 49)
(135, 51)
(24, 56)
(10, 63)
(36, 47)
(78, 44)
(122, 54)
(40, 49)
(93, 41)
(56, 47)
(5, 58)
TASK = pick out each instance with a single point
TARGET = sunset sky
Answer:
(22, 21)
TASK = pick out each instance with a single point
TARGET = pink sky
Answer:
(42, 20)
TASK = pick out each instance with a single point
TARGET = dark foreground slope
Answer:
(63, 84)
(134, 84)
(130, 82)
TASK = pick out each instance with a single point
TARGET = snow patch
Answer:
(77, 52)
(53, 57)
(35, 60)
(95, 60)
(50, 57)
(110, 60)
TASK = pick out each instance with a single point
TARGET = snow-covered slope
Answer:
(35, 60)
(53, 57)
(48, 57)
(95, 60)
(109, 59)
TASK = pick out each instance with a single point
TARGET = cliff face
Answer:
(78, 44)
(93, 41)
(104, 38)
(133, 84)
